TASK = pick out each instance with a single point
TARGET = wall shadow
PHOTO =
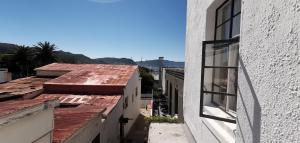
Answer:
(253, 114)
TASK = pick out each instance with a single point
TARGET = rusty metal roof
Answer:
(89, 78)
(25, 87)
(10, 107)
(69, 120)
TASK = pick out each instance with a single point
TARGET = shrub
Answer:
(161, 119)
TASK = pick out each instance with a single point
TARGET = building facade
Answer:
(242, 72)
(29, 121)
(173, 88)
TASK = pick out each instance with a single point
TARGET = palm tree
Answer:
(23, 60)
(45, 53)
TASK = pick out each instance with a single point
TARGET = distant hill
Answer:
(116, 61)
(6, 48)
(154, 64)
(67, 57)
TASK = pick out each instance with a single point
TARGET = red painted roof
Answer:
(89, 78)
(10, 107)
(69, 120)
(22, 87)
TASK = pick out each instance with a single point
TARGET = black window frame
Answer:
(232, 16)
(203, 67)
(230, 40)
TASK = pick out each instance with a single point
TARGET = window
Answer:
(167, 87)
(170, 99)
(220, 64)
(132, 99)
(136, 91)
(126, 102)
(176, 101)
(96, 139)
(228, 20)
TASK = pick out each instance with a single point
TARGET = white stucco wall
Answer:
(4, 75)
(35, 125)
(132, 111)
(110, 127)
(269, 74)
(200, 27)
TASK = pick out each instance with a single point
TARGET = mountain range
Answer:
(154, 64)
(68, 57)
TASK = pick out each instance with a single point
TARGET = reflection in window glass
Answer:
(236, 26)
(228, 20)
(223, 31)
(237, 6)
(224, 13)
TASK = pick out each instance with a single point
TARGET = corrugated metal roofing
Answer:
(22, 87)
(69, 120)
(89, 78)
(10, 107)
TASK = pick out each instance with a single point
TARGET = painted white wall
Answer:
(28, 128)
(163, 80)
(4, 75)
(110, 127)
(200, 27)
(269, 73)
(132, 111)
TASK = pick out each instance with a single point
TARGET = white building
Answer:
(29, 121)
(5, 76)
(242, 72)
(173, 86)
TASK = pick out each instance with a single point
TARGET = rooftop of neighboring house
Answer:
(87, 78)
(25, 88)
(75, 111)
(177, 72)
(84, 92)
(12, 110)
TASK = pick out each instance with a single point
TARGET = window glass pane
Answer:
(237, 6)
(220, 80)
(223, 31)
(236, 25)
(215, 110)
(224, 13)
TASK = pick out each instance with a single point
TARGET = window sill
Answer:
(224, 131)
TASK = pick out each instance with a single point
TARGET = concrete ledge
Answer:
(168, 133)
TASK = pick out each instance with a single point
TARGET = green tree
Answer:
(147, 80)
(23, 61)
(45, 53)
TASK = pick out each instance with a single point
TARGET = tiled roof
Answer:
(24, 87)
(69, 120)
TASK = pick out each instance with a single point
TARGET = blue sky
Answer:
(98, 28)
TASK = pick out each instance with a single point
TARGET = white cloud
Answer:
(105, 1)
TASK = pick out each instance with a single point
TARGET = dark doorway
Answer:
(96, 139)
(176, 101)
(122, 124)
(170, 99)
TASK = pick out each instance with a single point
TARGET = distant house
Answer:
(172, 81)
(95, 103)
